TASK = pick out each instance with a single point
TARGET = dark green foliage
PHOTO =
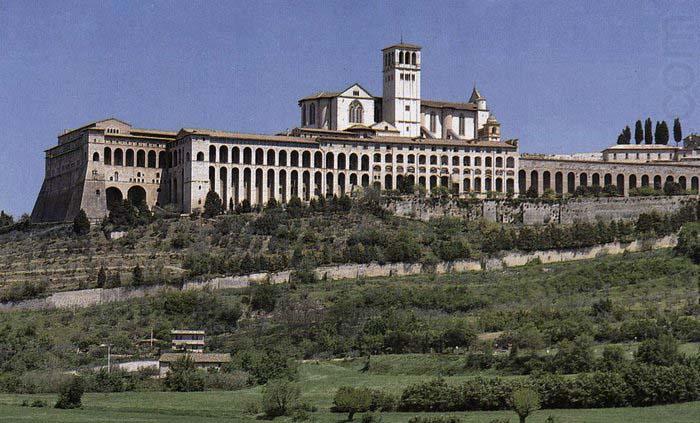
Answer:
(183, 376)
(81, 224)
(264, 297)
(137, 276)
(295, 208)
(689, 242)
(531, 192)
(351, 400)
(243, 207)
(124, 215)
(213, 206)
(268, 222)
(266, 364)
(677, 130)
(114, 280)
(18, 291)
(344, 203)
(627, 134)
(673, 188)
(662, 351)
(574, 356)
(101, 277)
(648, 136)
(279, 397)
(638, 132)
(6, 219)
(71, 394)
(442, 419)
(663, 133)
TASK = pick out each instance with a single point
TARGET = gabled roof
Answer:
(333, 94)
(404, 46)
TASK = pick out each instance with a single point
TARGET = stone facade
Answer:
(347, 140)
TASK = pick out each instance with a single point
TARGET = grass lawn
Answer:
(318, 381)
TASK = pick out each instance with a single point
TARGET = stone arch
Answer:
(223, 157)
(559, 183)
(607, 180)
(510, 162)
(365, 180)
(522, 181)
(353, 161)
(341, 183)
(212, 178)
(283, 185)
(107, 156)
(235, 185)
(95, 156)
(294, 159)
(235, 155)
(259, 184)
(294, 183)
(657, 182)
(212, 154)
(466, 185)
(632, 181)
(282, 158)
(387, 158)
(682, 182)
(306, 159)
(595, 180)
(318, 160)
(499, 184)
(620, 182)
(140, 158)
(113, 197)
(330, 162)
(534, 180)
(364, 165)
(162, 162)
(271, 186)
(510, 185)
(499, 161)
(487, 184)
(130, 157)
(270, 157)
(247, 185)
(118, 157)
(477, 184)
(137, 195)
(466, 161)
(455, 160)
(259, 158)
(329, 183)
(223, 185)
(341, 161)
(645, 180)
(546, 180)
(488, 161)
(353, 180)
(200, 157)
(570, 182)
(583, 179)
(152, 159)
(694, 183)
(388, 185)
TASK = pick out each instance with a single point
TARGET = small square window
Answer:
(356, 92)
(408, 108)
(97, 192)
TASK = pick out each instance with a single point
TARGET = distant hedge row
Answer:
(634, 385)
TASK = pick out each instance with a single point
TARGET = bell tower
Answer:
(401, 88)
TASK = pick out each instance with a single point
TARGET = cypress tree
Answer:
(677, 131)
(621, 138)
(663, 133)
(657, 135)
(81, 224)
(648, 136)
(638, 132)
(627, 134)
(101, 277)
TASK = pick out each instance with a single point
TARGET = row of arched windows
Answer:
(356, 112)
(405, 58)
(274, 158)
(128, 158)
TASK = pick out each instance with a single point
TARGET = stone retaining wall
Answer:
(90, 297)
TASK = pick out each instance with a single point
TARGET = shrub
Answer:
(662, 351)
(81, 224)
(183, 376)
(101, 277)
(524, 402)
(351, 400)
(264, 297)
(574, 357)
(137, 276)
(689, 242)
(213, 206)
(279, 397)
(71, 394)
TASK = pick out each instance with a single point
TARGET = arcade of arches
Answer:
(257, 174)
(564, 176)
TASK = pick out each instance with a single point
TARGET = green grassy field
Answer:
(318, 381)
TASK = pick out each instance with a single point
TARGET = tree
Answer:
(689, 242)
(115, 280)
(663, 133)
(81, 224)
(71, 394)
(295, 208)
(677, 130)
(5, 219)
(279, 397)
(621, 138)
(648, 136)
(661, 352)
(531, 192)
(657, 135)
(137, 276)
(524, 402)
(183, 376)
(352, 400)
(638, 132)
(101, 277)
(344, 203)
(627, 133)
(213, 205)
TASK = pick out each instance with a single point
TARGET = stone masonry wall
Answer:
(538, 212)
(91, 297)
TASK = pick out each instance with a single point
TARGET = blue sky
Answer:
(560, 76)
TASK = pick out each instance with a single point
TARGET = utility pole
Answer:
(109, 356)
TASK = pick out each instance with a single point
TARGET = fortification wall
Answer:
(538, 212)
(91, 297)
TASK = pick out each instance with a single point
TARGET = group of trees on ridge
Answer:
(643, 134)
